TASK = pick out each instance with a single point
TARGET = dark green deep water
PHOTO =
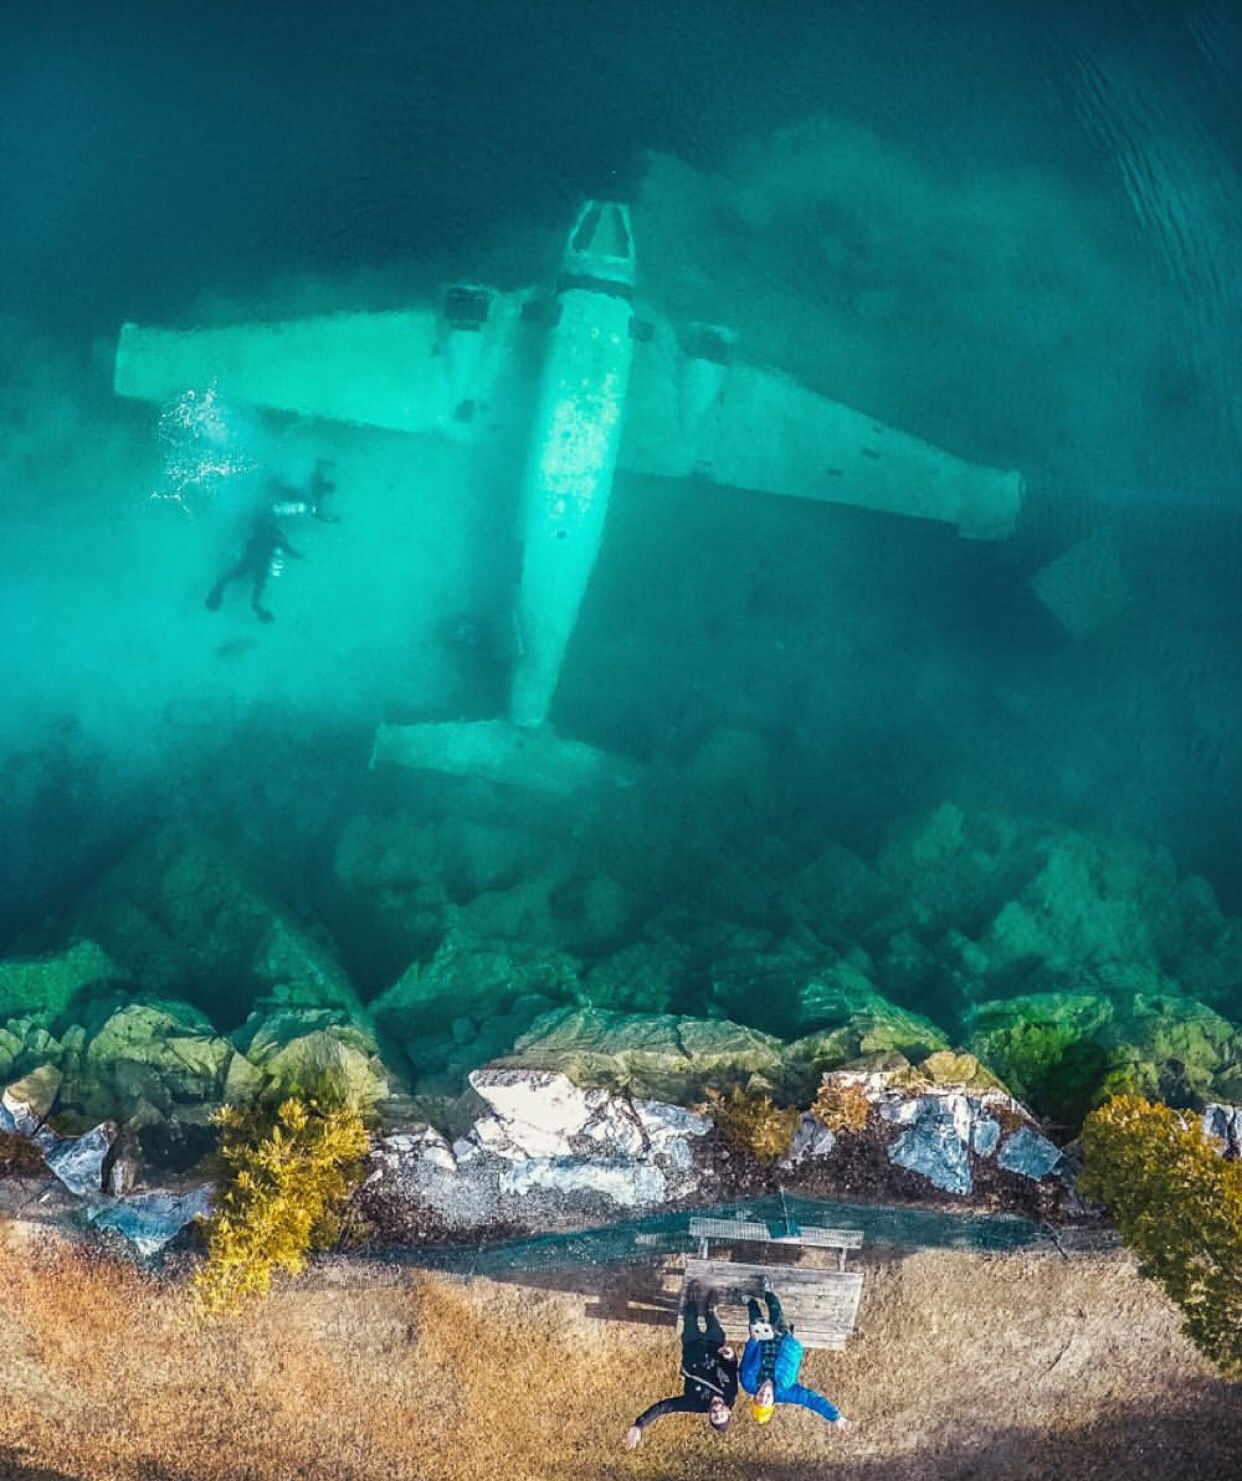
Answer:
(874, 762)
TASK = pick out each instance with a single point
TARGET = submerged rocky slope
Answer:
(983, 979)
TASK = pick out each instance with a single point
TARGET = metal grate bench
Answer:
(744, 1231)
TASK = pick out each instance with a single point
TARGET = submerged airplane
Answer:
(614, 389)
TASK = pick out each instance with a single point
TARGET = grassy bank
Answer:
(964, 1365)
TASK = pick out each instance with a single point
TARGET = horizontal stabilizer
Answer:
(499, 752)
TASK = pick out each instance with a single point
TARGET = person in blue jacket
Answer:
(770, 1364)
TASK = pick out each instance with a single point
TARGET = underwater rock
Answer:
(470, 977)
(1028, 1153)
(955, 868)
(733, 762)
(48, 985)
(592, 914)
(1063, 1051)
(185, 920)
(158, 1051)
(1084, 587)
(401, 876)
(659, 1055)
(837, 892)
(644, 977)
(752, 974)
(317, 1052)
(1093, 900)
(26, 1103)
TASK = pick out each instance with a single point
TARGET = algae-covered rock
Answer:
(947, 1068)
(856, 1020)
(153, 1050)
(1063, 1052)
(184, 920)
(659, 1055)
(48, 985)
(314, 1052)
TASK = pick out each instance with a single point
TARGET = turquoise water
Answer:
(869, 766)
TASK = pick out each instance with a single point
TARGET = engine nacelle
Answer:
(462, 344)
(704, 369)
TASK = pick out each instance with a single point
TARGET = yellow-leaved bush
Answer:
(1178, 1205)
(841, 1107)
(750, 1122)
(289, 1173)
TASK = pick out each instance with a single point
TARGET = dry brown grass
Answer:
(963, 1365)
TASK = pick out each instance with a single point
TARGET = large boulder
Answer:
(945, 1122)
(320, 1053)
(1064, 1051)
(658, 1055)
(150, 1051)
(184, 919)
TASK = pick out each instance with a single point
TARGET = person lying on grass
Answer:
(771, 1361)
(708, 1369)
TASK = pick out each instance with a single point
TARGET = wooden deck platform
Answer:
(820, 1305)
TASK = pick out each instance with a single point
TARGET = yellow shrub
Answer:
(1178, 1205)
(841, 1107)
(289, 1174)
(749, 1122)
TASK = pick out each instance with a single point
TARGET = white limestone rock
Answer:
(623, 1182)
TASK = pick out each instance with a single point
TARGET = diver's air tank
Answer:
(573, 450)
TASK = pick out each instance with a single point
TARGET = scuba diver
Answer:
(267, 547)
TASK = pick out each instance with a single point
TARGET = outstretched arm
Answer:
(680, 1404)
(798, 1393)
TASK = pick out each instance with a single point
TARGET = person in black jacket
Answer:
(708, 1370)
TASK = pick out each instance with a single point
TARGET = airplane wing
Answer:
(408, 371)
(692, 410)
